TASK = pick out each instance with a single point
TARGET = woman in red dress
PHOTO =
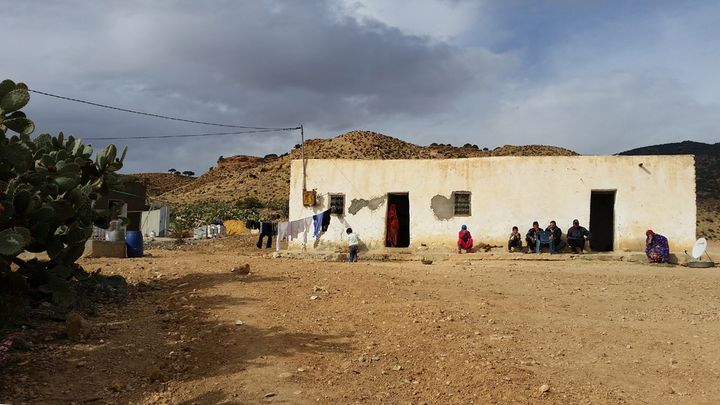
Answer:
(465, 240)
(393, 225)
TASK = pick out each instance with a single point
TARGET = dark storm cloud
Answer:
(263, 63)
(597, 78)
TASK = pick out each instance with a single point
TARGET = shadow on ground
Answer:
(167, 332)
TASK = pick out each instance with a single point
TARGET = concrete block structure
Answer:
(616, 197)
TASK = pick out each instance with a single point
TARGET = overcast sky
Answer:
(596, 77)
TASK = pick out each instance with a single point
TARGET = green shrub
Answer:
(48, 189)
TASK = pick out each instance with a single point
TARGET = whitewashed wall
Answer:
(506, 191)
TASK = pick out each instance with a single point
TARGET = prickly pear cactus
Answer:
(48, 189)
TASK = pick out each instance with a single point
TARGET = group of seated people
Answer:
(535, 238)
(656, 246)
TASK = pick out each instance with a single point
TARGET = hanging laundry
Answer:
(308, 228)
(325, 221)
(282, 231)
(296, 228)
(266, 229)
(317, 224)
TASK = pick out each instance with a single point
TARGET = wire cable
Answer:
(115, 138)
(148, 114)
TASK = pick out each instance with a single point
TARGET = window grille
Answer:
(337, 204)
(462, 203)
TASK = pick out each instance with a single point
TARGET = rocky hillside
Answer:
(159, 183)
(269, 178)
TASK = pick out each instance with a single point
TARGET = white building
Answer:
(617, 197)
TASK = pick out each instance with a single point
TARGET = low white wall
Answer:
(506, 191)
(155, 221)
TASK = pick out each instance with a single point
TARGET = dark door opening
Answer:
(398, 222)
(602, 220)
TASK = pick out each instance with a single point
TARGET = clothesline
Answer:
(291, 230)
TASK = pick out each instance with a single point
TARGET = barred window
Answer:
(462, 203)
(337, 204)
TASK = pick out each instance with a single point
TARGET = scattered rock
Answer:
(314, 297)
(397, 367)
(270, 395)
(285, 375)
(238, 322)
(155, 374)
(243, 270)
(116, 386)
(75, 325)
(544, 388)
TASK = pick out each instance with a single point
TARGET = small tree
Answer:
(188, 173)
(172, 170)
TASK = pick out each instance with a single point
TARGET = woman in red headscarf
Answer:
(393, 226)
(465, 240)
(657, 248)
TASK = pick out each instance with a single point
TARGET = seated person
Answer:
(657, 248)
(515, 241)
(576, 236)
(465, 240)
(532, 236)
(557, 244)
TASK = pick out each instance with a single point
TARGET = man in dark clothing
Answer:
(576, 236)
(532, 237)
(556, 237)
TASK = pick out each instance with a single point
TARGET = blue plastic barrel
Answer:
(134, 242)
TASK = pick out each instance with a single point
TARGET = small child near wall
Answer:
(352, 245)
(515, 241)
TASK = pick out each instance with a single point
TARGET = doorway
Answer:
(602, 220)
(398, 231)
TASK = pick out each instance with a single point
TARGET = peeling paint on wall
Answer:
(442, 207)
(358, 203)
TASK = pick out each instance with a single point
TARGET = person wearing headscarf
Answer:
(465, 241)
(393, 226)
(657, 248)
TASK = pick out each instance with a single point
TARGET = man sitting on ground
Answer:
(556, 238)
(532, 236)
(576, 236)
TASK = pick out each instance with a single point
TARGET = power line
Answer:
(115, 138)
(150, 114)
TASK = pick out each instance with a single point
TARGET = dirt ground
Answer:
(459, 331)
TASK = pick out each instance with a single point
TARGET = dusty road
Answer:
(382, 332)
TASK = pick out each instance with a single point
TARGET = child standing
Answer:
(352, 245)
(515, 241)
